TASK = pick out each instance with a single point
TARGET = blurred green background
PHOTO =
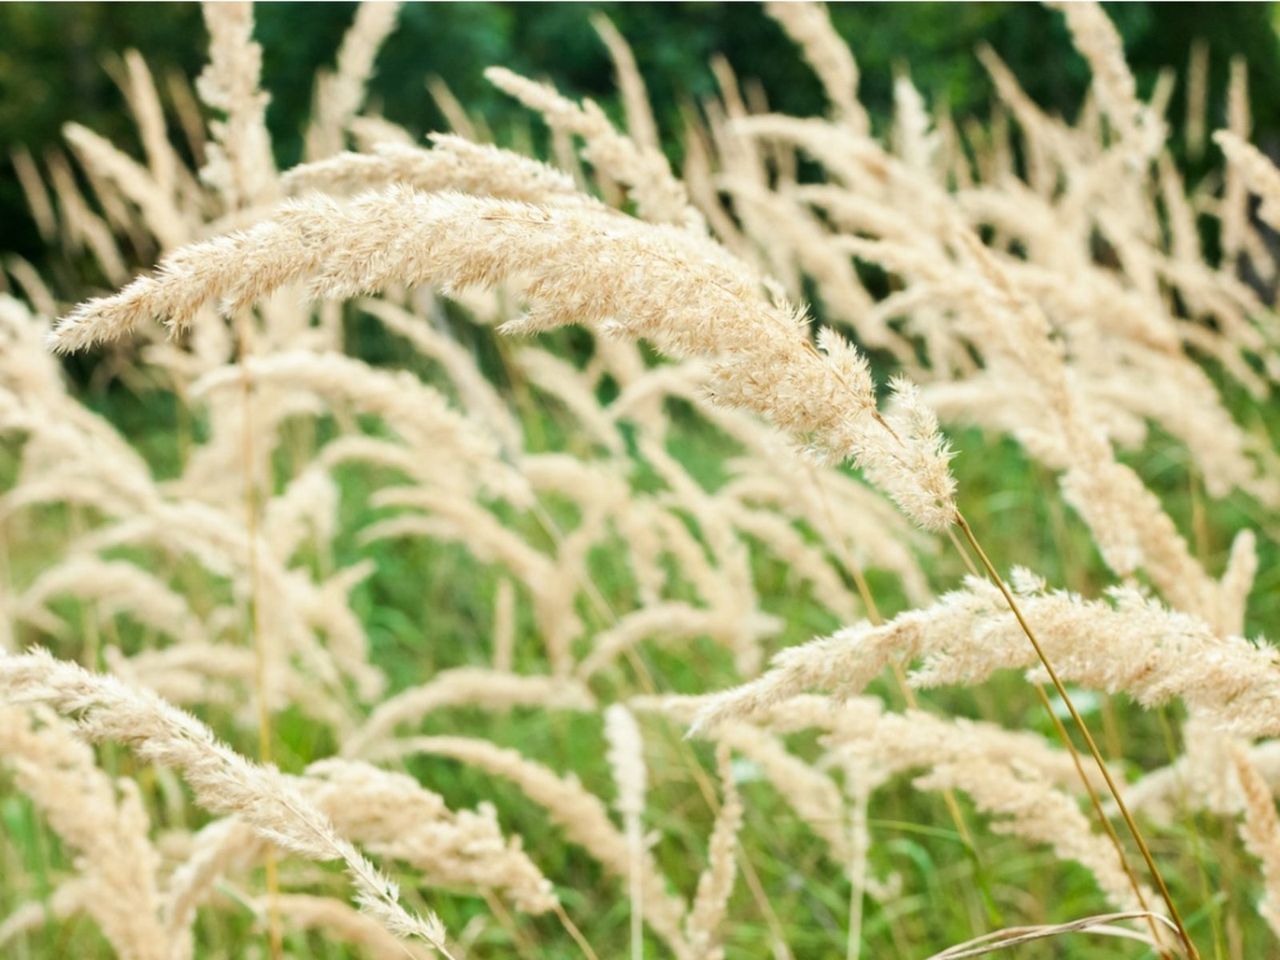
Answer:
(56, 60)
(56, 63)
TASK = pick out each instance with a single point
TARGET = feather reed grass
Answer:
(452, 564)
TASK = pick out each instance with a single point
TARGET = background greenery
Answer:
(56, 60)
(55, 66)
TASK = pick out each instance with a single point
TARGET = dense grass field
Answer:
(483, 510)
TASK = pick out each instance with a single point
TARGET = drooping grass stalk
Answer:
(1078, 720)
(1001, 940)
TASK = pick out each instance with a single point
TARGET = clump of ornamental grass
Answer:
(761, 356)
(251, 583)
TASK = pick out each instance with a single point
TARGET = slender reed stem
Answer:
(275, 935)
(1132, 825)
(635, 844)
(1094, 800)
(1079, 721)
(572, 929)
(858, 877)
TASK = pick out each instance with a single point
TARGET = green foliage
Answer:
(52, 60)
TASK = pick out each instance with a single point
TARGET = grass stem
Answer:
(274, 935)
(1132, 825)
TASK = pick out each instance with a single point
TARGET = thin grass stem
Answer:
(1132, 825)
(274, 932)
(571, 928)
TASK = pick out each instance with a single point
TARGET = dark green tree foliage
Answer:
(55, 60)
